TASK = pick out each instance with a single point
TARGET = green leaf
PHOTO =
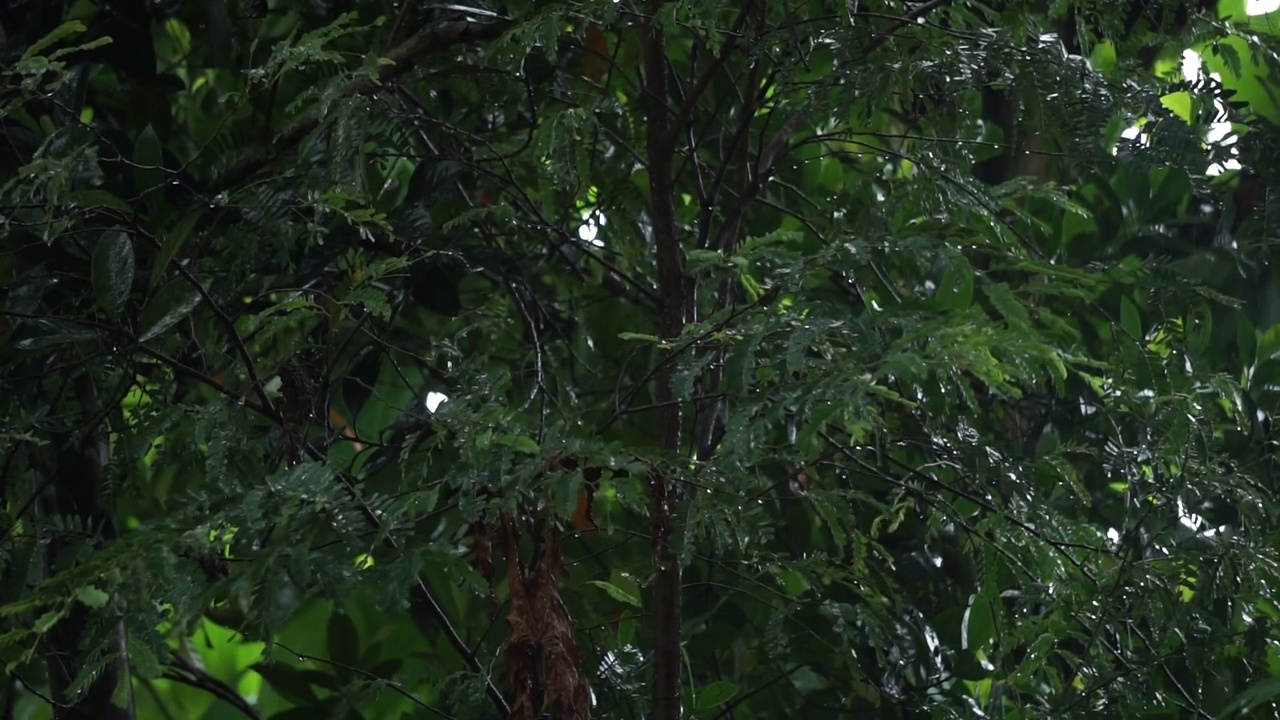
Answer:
(342, 639)
(616, 592)
(715, 695)
(1247, 340)
(793, 582)
(955, 292)
(92, 596)
(830, 517)
(564, 492)
(63, 31)
(626, 630)
(520, 443)
(45, 622)
(1103, 57)
(309, 710)
(751, 287)
(1005, 303)
(173, 242)
(697, 259)
(1256, 695)
(98, 198)
(148, 161)
(167, 308)
(292, 683)
(1199, 327)
(1269, 344)
(1130, 320)
(978, 627)
(143, 661)
(639, 336)
(112, 270)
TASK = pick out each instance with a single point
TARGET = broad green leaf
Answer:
(1246, 340)
(1180, 104)
(520, 443)
(565, 488)
(167, 308)
(1103, 57)
(978, 628)
(793, 582)
(148, 161)
(171, 245)
(342, 639)
(51, 333)
(1269, 343)
(113, 268)
(92, 596)
(626, 630)
(714, 695)
(289, 681)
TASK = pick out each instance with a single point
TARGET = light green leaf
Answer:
(63, 31)
(1005, 303)
(702, 258)
(519, 442)
(616, 592)
(92, 596)
(45, 622)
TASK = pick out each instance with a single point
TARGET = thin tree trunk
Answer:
(666, 691)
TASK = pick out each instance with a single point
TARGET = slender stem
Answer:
(666, 689)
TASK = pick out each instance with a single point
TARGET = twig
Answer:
(395, 686)
(184, 672)
(435, 38)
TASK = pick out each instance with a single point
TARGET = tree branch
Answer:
(435, 38)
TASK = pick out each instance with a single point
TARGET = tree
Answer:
(709, 359)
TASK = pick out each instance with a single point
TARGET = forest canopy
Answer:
(638, 359)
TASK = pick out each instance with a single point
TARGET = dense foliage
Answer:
(637, 359)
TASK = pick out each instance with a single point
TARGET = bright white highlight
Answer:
(1219, 133)
(589, 230)
(1261, 7)
(435, 400)
(1191, 65)
(1194, 522)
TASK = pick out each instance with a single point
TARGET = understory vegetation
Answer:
(638, 359)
